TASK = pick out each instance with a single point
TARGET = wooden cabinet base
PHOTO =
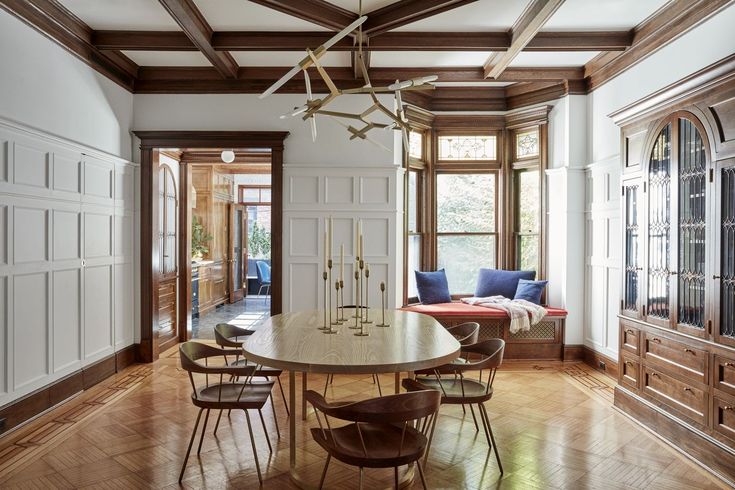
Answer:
(704, 449)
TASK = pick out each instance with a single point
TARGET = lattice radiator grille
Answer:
(542, 330)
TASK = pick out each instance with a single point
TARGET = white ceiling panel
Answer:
(558, 58)
(367, 5)
(583, 15)
(428, 58)
(168, 58)
(287, 58)
(483, 15)
(242, 15)
(144, 15)
(473, 84)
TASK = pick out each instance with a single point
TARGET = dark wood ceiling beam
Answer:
(317, 12)
(405, 12)
(143, 40)
(53, 20)
(522, 32)
(196, 28)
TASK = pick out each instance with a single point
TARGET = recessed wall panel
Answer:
(97, 310)
(124, 186)
(374, 190)
(97, 235)
(304, 234)
(303, 284)
(123, 236)
(30, 328)
(376, 233)
(344, 233)
(66, 318)
(339, 190)
(30, 234)
(304, 190)
(4, 150)
(31, 166)
(67, 173)
(3, 234)
(66, 243)
(98, 180)
(123, 304)
(3, 331)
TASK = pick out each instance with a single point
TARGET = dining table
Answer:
(295, 343)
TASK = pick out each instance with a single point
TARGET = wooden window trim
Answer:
(240, 192)
(470, 132)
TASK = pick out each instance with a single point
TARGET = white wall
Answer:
(67, 213)
(334, 176)
(708, 43)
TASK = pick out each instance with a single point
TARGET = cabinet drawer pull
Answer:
(716, 277)
(687, 349)
(630, 331)
(729, 364)
(728, 407)
(656, 339)
(688, 389)
(630, 363)
(655, 375)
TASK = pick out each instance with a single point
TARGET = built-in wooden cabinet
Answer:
(677, 297)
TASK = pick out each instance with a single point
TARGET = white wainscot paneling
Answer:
(303, 286)
(67, 173)
(30, 166)
(4, 152)
(67, 318)
(612, 308)
(123, 302)
(376, 236)
(124, 186)
(3, 331)
(67, 235)
(614, 252)
(339, 190)
(4, 234)
(304, 190)
(98, 179)
(30, 234)
(596, 301)
(30, 328)
(374, 190)
(97, 311)
(344, 233)
(304, 233)
(124, 235)
(97, 235)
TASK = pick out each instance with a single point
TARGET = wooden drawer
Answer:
(723, 416)
(687, 399)
(677, 356)
(724, 374)
(630, 372)
(630, 338)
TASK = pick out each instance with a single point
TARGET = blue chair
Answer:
(264, 276)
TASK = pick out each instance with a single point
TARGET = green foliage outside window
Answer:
(199, 239)
(259, 242)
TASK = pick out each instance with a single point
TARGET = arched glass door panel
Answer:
(659, 225)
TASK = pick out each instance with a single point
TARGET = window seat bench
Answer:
(545, 340)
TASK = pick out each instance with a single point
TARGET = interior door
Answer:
(168, 264)
(238, 252)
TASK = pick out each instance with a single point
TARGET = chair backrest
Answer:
(403, 407)
(264, 272)
(465, 333)
(491, 351)
(227, 335)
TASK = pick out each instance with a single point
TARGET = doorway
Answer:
(154, 236)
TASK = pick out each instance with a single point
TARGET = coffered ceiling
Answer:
(544, 48)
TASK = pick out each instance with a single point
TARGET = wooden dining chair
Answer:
(459, 390)
(384, 432)
(227, 335)
(222, 394)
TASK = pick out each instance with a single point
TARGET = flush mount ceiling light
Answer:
(228, 156)
(313, 106)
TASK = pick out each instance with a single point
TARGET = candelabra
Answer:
(382, 301)
(367, 297)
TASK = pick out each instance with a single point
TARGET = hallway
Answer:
(246, 313)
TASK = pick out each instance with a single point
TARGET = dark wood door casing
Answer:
(150, 141)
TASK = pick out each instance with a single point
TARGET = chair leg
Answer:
(395, 476)
(362, 470)
(495, 446)
(265, 430)
(191, 443)
(255, 449)
(275, 416)
(431, 438)
(421, 474)
(217, 424)
(484, 426)
(283, 395)
(324, 471)
(472, 411)
(377, 378)
(326, 385)
(204, 429)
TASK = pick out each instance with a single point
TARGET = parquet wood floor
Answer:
(554, 423)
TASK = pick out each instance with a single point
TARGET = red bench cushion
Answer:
(464, 310)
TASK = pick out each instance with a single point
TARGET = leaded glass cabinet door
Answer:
(724, 277)
(658, 260)
(630, 304)
(692, 247)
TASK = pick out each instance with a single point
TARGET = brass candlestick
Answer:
(361, 332)
(357, 306)
(336, 320)
(357, 296)
(382, 301)
(342, 301)
(325, 276)
(336, 304)
(367, 297)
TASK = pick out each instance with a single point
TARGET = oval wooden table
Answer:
(293, 342)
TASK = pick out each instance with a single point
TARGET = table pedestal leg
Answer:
(292, 420)
(398, 383)
(303, 395)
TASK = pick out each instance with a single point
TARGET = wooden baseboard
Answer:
(573, 352)
(700, 447)
(600, 361)
(26, 408)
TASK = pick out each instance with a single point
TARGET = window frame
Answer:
(241, 192)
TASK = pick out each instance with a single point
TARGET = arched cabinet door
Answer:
(724, 275)
(677, 203)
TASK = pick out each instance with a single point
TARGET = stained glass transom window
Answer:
(415, 144)
(471, 147)
(527, 144)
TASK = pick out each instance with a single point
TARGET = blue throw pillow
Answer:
(496, 282)
(433, 287)
(530, 290)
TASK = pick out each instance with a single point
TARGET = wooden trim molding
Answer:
(600, 361)
(28, 407)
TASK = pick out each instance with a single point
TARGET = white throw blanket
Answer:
(518, 310)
